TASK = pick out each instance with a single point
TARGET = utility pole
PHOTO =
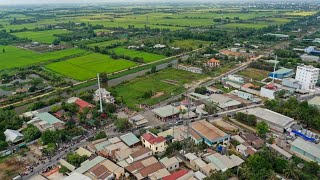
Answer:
(99, 89)
(274, 69)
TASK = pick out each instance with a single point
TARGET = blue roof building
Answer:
(282, 73)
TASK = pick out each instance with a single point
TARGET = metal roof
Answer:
(13, 135)
(85, 166)
(270, 116)
(309, 147)
(101, 145)
(49, 118)
(166, 111)
(129, 139)
(207, 130)
(314, 101)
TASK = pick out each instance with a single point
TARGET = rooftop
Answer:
(283, 71)
(88, 164)
(153, 139)
(129, 139)
(76, 176)
(49, 118)
(83, 103)
(213, 60)
(166, 111)
(207, 130)
(309, 147)
(314, 101)
(270, 116)
(140, 152)
(176, 175)
(167, 162)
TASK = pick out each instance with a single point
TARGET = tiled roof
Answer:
(176, 175)
(151, 169)
(140, 152)
(213, 60)
(83, 103)
(152, 139)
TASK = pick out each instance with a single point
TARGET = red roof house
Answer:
(152, 139)
(176, 175)
(83, 104)
(213, 63)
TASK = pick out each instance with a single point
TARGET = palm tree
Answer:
(273, 175)
(291, 171)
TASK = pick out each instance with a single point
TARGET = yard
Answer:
(41, 36)
(18, 57)
(161, 85)
(147, 57)
(255, 74)
(87, 67)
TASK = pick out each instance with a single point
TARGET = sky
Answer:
(19, 2)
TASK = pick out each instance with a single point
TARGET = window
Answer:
(156, 148)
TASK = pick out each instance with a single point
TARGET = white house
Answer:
(105, 96)
(307, 76)
(13, 136)
(269, 91)
(157, 144)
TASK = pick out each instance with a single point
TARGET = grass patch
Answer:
(188, 43)
(18, 57)
(107, 43)
(41, 36)
(132, 92)
(255, 74)
(147, 57)
(87, 67)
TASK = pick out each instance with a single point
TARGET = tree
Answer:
(56, 42)
(104, 77)
(100, 135)
(50, 149)
(64, 170)
(201, 90)
(291, 172)
(262, 129)
(122, 124)
(211, 107)
(175, 146)
(3, 50)
(3, 145)
(75, 159)
(49, 137)
(31, 133)
(153, 69)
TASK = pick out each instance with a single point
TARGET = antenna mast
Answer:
(101, 109)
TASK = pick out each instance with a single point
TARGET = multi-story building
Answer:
(157, 144)
(307, 76)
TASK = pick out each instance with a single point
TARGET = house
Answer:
(315, 101)
(188, 68)
(252, 140)
(307, 76)
(159, 46)
(105, 96)
(291, 83)
(130, 139)
(171, 164)
(269, 91)
(138, 121)
(13, 136)
(167, 112)
(146, 168)
(276, 121)
(236, 78)
(199, 175)
(245, 150)
(210, 134)
(306, 150)
(140, 154)
(280, 36)
(156, 143)
(225, 102)
(223, 162)
(182, 174)
(212, 63)
(309, 58)
(282, 73)
(76, 176)
(80, 103)
(46, 121)
(100, 172)
(88, 164)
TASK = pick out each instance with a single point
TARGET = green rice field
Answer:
(41, 36)
(18, 57)
(147, 57)
(107, 43)
(86, 67)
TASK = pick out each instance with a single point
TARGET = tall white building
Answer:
(307, 76)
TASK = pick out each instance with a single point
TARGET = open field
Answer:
(190, 43)
(41, 36)
(300, 13)
(255, 74)
(165, 82)
(86, 67)
(147, 57)
(107, 43)
(18, 57)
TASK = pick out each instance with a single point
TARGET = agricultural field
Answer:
(18, 57)
(255, 74)
(162, 84)
(147, 57)
(190, 43)
(86, 67)
(107, 43)
(41, 36)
